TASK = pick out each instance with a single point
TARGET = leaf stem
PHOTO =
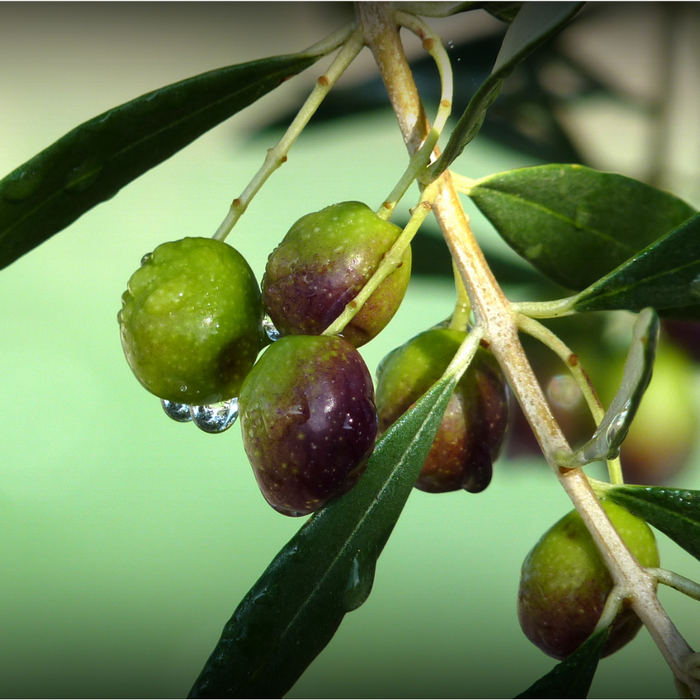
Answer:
(333, 41)
(546, 309)
(276, 156)
(462, 184)
(674, 580)
(465, 353)
(613, 603)
(493, 311)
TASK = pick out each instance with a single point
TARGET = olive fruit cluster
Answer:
(192, 324)
(471, 432)
(564, 584)
(308, 416)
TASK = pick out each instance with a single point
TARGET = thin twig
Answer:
(278, 155)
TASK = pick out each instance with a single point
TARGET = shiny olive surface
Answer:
(323, 262)
(191, 321)
(475, 421)
(564, 584)
(308, 420)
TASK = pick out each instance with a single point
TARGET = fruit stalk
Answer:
(494, 314)
(351, 46)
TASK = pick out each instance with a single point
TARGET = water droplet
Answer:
(146, 258)
(82, 177)
(695, 287)
(272, 333)
(22, 185)
(617, 430)
(177, 411)
(215, 418)
(360, 581)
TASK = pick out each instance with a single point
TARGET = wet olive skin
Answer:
(323, 262)
(475, 420)
(191, 321)
(308, 420)
(564, 584)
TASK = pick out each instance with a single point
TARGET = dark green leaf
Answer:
(325, 571)
(675, 512)
(608, 437)
(533, 25)
(665, 274)
(94, 161)
(572, 677)
(505, 11)
(575, 224)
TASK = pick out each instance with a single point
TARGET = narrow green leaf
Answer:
(533, 24)
(608, 437)
(505, 11)
(91, 163)
(665, 274)
(675, 512)
(325, 571)
(572, 677)
(575, 224)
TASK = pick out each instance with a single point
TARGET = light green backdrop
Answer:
(126, 540)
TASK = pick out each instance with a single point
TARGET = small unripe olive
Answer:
(308, 420)
(191, 321)
(323, 262)
(564, 584)
(472, 428)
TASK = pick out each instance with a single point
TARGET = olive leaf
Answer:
(91, 163)
(665, 274)
(576, 224)
(675, 512)
(533, 24)
(608, 437)
(572, 677)
(326, 569)
(505, 11)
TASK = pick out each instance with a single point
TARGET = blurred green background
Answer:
(126, 539)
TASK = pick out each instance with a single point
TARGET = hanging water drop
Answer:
(146, 258)
(272, 333)
(694, 287)
(215, 418)
(360, 580)
(179, 412)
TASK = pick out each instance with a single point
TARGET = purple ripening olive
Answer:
(323, 262)
(308, 420)
(564, 584)
(476, 418)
